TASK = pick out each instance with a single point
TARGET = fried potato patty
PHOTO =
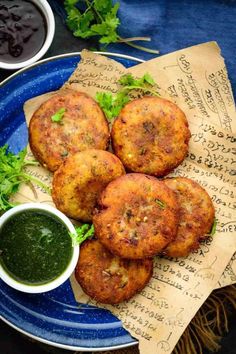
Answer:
(83, 126)
(107, 278)
(78, 182)
(196, 216)
(136, 216)
(151, 136)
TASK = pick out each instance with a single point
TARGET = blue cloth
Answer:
(177, 24)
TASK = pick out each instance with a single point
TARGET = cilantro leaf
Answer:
(145, 83)
(103, 6)
(126, 79)
(148, 79)
(83, 232)
(12, 175)
(98, 18)
(112, 104)
(57, 117)
(83, 24)
(73, 14)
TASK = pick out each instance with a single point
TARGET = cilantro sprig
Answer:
(112, 104)
(91, 18)
(83, 232)
(57, 117)
(144, 84)
(12, 175)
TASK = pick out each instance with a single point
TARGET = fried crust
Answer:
(195, 218)
(78, 182)
(136, 216)
(107, 278)
(82, 127)
(151, 136)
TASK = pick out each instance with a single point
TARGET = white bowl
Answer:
(6, 277)
(50, 24)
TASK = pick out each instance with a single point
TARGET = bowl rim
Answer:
(44, 6)
(35, 289)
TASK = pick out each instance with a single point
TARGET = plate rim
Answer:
(65, 55)
(27, 334)
(68, 347)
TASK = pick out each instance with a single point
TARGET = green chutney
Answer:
(35, 247)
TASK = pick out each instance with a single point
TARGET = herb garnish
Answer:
(64, 153)
(57, 117)
(112, 104)
(160, 203)
(83, 232)
(89, 18)
(213, 228)
(144, 83)
(12, 174)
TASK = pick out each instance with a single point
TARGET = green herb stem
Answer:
(134, 39)
(95, 11)
(144, 49)
(31, 163)
(36, 181)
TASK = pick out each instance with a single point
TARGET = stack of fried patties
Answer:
(136, 216)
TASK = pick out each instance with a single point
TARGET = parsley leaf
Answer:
(98, 18)
(57, 117)
(12, 175)
(83, 232)
(112, 104)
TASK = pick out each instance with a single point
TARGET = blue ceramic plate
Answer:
(54, 317)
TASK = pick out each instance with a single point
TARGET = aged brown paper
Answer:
(95, 73)
(196, 79)
(161, 312)
(229, 275)
(203, 91)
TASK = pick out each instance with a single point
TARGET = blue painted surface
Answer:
(54, 316)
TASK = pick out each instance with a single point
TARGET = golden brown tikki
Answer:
(68, 122)
(136, 216)
(196, 216)
(107, 278)
(78, 182)
(151, 136)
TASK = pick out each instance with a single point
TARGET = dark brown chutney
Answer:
(35, 247)
(22, 30)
